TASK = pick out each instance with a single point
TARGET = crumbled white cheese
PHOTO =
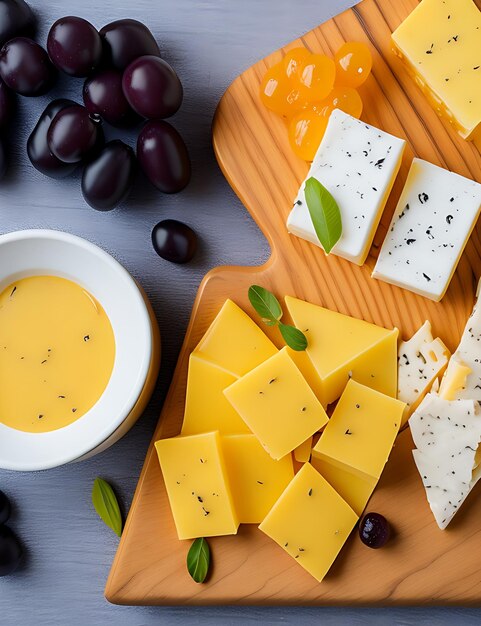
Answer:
(421, 360)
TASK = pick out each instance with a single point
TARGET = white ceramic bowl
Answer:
(48, 252)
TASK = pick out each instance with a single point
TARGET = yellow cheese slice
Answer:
(234, 341)
(310, 521)
(197, 485)
(352, 488)
(341, 347)
(277, 404)
(307, 369)
(361, 431)
(256, 479)
(302, 453)
(206, 408)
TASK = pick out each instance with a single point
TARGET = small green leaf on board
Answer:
(198, 560)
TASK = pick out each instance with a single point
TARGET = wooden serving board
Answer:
(421, 564)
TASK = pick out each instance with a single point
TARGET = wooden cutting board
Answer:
(421, 564)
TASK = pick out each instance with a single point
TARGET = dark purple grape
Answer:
(16, 19)
(107, 179)
(152, 87)
(174, 241)
(163, 156)
(7, 105)
(126, 40)
(5, 508)
(38, 150)
(26, 68)
(10, 551)
(74, 46)
(3, 159)
(74, 134)
(374, 530)
(103, 96)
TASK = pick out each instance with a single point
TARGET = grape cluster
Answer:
(127, 82)
(10, 547)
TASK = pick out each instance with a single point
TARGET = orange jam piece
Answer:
(353, 63)
(317, 78)
(345, 98)
(294, 62)
(306, 130)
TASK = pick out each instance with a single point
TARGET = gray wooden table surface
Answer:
(68, 550)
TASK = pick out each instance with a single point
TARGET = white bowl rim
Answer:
(143, 330)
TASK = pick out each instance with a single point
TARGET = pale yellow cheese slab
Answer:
(256, 479)
(310, 521)
(361, 431)
(233, 341)
(440, 42)
(197, 485)
(277, 404)
(206, 408)
(341, 347)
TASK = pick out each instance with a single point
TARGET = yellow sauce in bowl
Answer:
(57, 351)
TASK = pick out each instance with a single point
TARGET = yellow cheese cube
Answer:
(355, 490)
(197, 485)
(342, 347)
(256, 480)
(277, 404)
(310, 521)
(302, 453)
(361, 431)
(440, 42)
(235, 342)
(206, 408)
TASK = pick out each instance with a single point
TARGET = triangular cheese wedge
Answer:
(341, 347)
(206, 407)
(447, 436)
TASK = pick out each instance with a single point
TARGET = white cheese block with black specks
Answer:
(431, 225)
(468, 354)
(447, 436)
(357, 163)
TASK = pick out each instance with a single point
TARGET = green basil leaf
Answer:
(294, 338)
(266, 304)
(106, 505)
(198, 560)
(325, 214)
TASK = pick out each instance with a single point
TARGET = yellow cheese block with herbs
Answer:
(302, 453)
(361, 431)
(256, 479)
(233, 341)
(310, 521)
(342, 347)
(352, 488)
(197, 485)
(440, 42)
(277, 404)
(206, 408)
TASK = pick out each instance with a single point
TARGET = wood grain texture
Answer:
(68, 550)
(422, 565)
